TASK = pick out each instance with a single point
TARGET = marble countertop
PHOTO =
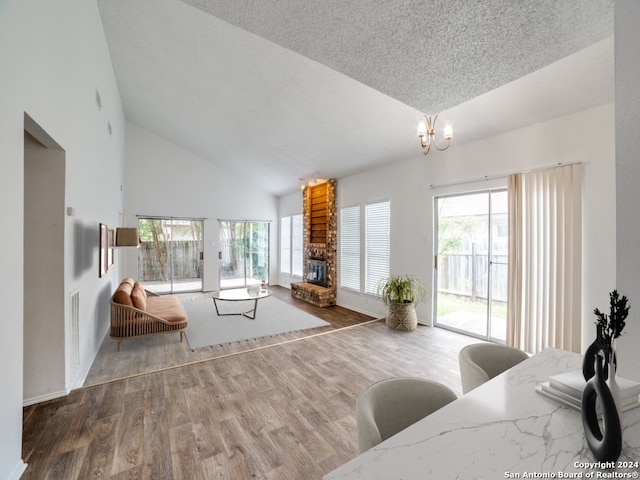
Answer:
(502, 429)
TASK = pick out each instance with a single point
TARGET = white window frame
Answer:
(297, 246)
(285, 245)
(377, 257)
(351, 280)
(367, 279)
(291, 247)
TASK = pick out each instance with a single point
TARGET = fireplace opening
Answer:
(317, 272)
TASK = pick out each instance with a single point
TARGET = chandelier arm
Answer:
(432, 131)
(433, 135)
(435, 144)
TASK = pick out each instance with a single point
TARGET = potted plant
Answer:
(401, 293)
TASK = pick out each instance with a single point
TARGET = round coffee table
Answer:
(240, 295)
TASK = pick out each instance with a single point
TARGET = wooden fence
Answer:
(466, 275)
(180, 256)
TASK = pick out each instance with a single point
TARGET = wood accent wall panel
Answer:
(318, 216)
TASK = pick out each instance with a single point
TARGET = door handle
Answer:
(220, 255)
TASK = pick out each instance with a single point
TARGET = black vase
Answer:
(606, 447)
(589, 361)
(588, 364)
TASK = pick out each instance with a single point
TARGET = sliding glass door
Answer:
(170, 254)
(471, 264)
(244, 254)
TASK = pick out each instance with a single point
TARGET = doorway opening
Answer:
(45, 371)
(471, 263)
(170, 254)
(244, 258)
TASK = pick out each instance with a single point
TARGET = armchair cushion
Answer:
(139, 297)
(122, 295)
(167, 307)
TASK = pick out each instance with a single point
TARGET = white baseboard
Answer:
(43, 398)
(18, 470)
(359, 310)
(82, 378)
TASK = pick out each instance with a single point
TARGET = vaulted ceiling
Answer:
(279, 90)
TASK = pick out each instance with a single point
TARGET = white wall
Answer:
(627, 64)
(403, 184)
(163, 179)
(408, 186)
(54, 57)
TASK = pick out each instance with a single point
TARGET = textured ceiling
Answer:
(277, 90)
(431, 55)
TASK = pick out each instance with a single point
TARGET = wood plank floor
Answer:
(149, 354)
(280, 411)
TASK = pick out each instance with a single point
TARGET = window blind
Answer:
(297, 254)
(350, 247)
(285, 245)
(377, 244)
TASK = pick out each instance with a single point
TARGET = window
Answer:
(244, 253)
(378, 244)
(368, 246)
(471, 269)
(285, 245)
(169, 254)
(291, 254)
(297, 254)
(350, 247)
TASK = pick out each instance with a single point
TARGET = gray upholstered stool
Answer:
(389, 406)
(482, 361)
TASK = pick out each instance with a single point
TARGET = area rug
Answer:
(273, 317)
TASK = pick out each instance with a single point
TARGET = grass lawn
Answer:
(448, 303)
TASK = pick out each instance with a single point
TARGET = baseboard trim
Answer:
(82, 378)
(18, 470)
(43, 398)
(359, 310)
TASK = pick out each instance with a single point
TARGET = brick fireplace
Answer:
(320, 229)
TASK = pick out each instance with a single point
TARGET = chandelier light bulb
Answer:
(448, 132)
(422, 129)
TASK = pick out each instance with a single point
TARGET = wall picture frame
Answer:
(111, 251)
(103, 247)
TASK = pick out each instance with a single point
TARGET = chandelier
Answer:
(427, 134)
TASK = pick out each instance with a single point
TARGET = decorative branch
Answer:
(610, 327)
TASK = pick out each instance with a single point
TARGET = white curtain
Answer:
(545, 251)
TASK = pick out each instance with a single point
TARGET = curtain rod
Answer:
(244, 221)
(505, 175)
(155, 217)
